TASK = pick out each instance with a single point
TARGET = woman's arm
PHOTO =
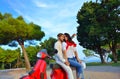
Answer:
(73, 36)
(76, 55)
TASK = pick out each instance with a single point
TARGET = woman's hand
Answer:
(80, 61)
(67, 63)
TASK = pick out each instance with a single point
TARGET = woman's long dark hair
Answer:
(69, 37)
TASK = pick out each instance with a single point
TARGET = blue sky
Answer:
(54, 16)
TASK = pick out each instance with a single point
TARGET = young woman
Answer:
(70, 48)
(59, 57)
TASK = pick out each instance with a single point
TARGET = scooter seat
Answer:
(55, 66)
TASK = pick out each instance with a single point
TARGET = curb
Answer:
(8, 70)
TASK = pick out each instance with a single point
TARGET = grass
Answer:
(105, 64)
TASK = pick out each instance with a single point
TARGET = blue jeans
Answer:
(74, 63)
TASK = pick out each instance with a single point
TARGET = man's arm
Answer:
(57, 46)
(66, 59)
(64, 53)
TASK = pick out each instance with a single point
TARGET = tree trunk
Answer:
(114, 55)
(10, 65)
(101, 55)
(113, 47)
(27, 62)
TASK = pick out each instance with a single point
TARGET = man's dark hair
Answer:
(60, 34)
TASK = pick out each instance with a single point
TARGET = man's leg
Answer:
(67, 69)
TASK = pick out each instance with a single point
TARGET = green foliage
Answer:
(88, 52)
(110, 56)
(118, 55)
(32, 52)
(99, 24)
(89, 29)
(49, 45)
(18, 29)
(8, 56)
(105, 64)
(2, 55)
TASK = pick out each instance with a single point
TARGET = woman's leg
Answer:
(67, 69)
(78, 67)
(82, 74)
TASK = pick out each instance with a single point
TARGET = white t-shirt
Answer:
(70, 51)
(59, 55)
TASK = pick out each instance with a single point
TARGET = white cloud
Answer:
(43, 4)
(18, 11)
(40, 4)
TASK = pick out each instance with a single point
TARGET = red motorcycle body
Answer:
(58, 74)
(39, 68)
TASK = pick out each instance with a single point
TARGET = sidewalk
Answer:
(92, 72)
(102, 72)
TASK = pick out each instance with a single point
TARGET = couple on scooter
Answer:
(67, 55)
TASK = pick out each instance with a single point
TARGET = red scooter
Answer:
(39, 70)
(58, 72)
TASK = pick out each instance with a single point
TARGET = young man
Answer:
(61, 58)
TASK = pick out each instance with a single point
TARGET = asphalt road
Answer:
(91, 72)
